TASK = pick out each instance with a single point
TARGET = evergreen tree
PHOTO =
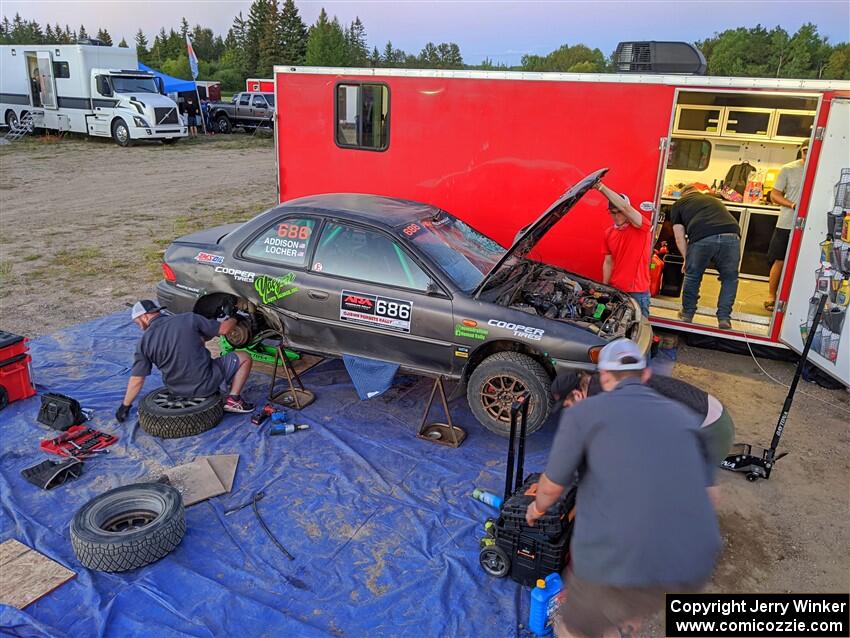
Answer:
(49, 38)
(358, 49)
(142, 46)
(6, 30)
(123, 44)
(184, 28)
(258, 17)
(103, 35)
(429, 57)
(326, 44)
(293, 34)
(375, 58)
(82, 33)
(269, 49)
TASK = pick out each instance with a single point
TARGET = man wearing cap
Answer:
(786, 194)
(175, 345)
(644, 524)
(627, 248)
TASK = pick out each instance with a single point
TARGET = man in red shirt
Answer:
(627, 249)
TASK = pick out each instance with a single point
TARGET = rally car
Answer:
(406, 282)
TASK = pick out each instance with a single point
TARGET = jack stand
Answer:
(443, 433)
(293, 397)
(760, 464)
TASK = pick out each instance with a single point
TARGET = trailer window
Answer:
(689, 154)
(61, 70)
(362, 116)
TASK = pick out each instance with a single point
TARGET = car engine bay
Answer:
(551, 293)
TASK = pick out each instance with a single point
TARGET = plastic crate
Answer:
(533, 556)
(11, 345)
(15, 378)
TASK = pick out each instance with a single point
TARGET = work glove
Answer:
(122, 412)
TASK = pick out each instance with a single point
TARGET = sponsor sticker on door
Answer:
(373, 310)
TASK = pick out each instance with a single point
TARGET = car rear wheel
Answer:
(498, 381)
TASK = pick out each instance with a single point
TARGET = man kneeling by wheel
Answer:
(175, 345)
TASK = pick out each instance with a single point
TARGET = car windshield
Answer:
(269, 98)
(133, 85)
(463, 253)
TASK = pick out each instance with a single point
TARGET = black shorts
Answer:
(778, 245)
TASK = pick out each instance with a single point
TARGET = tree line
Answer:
(273, 32)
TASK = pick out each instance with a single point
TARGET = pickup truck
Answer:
(248, 110)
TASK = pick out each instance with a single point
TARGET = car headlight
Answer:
(140, 121)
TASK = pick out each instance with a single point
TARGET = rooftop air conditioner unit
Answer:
(659, 57)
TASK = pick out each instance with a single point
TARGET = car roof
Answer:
(377, 210)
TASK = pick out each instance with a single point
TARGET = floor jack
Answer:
(758, 462)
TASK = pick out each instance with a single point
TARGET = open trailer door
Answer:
(822, 265)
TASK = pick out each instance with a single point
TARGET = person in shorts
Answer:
(192, 116)
(644, 524)
(785, 194)
(175, 345)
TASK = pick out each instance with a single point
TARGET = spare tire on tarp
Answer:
(168, 416)
(128, 527)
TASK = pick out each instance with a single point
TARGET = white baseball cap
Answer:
(620, 355)
(143, 307)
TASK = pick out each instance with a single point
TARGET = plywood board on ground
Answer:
(27, 574)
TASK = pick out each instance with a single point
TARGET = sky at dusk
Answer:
(500, 30)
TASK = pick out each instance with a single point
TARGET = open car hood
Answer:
(534, 232)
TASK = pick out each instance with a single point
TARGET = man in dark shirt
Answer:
(705, 231)
(644, 524)
(175, 345)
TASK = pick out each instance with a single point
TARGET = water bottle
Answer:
(544, 601)
(487, 498)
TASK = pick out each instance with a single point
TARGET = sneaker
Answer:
(686, 317)
(724, 324)
(237, 404)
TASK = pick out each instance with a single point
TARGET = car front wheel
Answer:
(498, 381)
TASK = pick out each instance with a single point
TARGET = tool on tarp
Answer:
(257, 497)
(79, 442)
(280, 426)
(259, 417)
(265, 527)
(758, 462)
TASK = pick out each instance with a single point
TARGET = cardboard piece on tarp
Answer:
(28, 575)
(203, 478)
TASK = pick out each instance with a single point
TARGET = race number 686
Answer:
(392, 309)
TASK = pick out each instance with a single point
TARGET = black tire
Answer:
(223, 125)
(121, 133)
(170, 140)
(11, 119)
(4, 397)
(128, 527)
(496, 383)
(169, 417)
(495, 561)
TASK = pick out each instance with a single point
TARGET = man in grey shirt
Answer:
(644, 524)
(786, 194)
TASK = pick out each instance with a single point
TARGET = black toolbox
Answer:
(511, 546)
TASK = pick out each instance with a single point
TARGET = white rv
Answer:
(96, 90)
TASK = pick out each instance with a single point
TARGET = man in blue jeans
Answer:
(706, 232)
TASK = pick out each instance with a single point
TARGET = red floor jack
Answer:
(757, 462)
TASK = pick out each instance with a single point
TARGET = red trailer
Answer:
(255, 85)
(495, 148)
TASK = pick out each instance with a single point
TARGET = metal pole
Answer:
(789, 399)
(200, 108)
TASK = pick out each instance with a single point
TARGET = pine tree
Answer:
(184, 28)
(293, 34)
(103, 35)
(269, 43)
(326, 44)
(49, 38)
(6, 30)
(358, 50)
(141, 46)
(82, 33)
(429, 57)
(258, 16)
(375, 58)
(123, 44)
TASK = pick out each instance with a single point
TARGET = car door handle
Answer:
(317, 294)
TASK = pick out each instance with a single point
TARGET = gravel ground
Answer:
(83, 224)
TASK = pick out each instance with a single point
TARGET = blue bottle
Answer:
(487, 497)
(544, 600)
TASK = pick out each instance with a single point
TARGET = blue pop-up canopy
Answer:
(172, 85)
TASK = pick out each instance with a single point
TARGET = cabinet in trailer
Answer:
(748, 123)
(792, 126)
(698, 120)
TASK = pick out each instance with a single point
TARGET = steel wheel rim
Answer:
(13, 121)
(129, 521)
(498, 395)
(168, 401)
(122, 133)
(222, 126)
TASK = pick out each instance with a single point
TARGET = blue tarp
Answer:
(381, 524)
(172, 85)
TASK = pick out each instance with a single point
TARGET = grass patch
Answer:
(32, 257)
(80, 262)
(5, 269)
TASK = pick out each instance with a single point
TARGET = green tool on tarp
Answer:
(259, 351)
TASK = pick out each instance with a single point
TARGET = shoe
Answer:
(724, 324)
(686, 317)
(237, 404)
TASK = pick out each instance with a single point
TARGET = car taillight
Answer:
(593, 353)
(168, 273)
